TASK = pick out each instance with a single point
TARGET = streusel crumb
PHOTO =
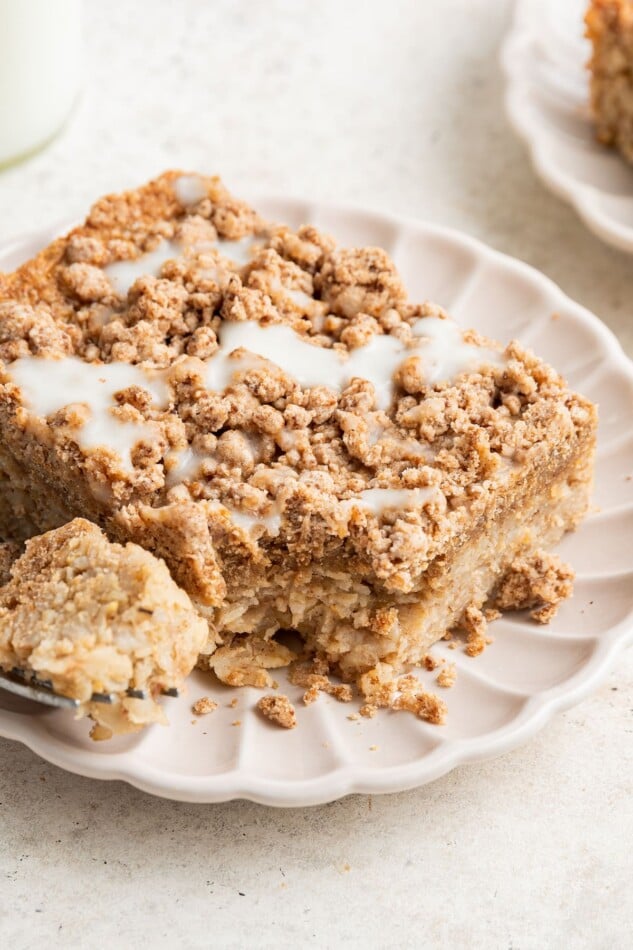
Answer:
(491, 613)
(540, 581)
(311, 695)
(204, 706)
(382, 688)
(315, 683)
(425, 705)
(447, 676)
(475, 625)
(378, 685)
(278, 709)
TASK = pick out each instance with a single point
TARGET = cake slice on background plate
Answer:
(610, 30)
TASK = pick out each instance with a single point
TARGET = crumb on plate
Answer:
(279, 710)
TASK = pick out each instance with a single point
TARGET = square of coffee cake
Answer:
(610, 29)
(305, 447)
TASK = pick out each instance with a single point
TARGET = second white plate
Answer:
(501, 698)
(547, 101)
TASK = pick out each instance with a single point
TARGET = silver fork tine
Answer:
(29, 686)
(136, 693)
(36, 692)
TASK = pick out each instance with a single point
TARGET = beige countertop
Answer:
(397, 106)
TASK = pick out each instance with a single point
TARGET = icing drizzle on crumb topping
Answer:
(46, 384)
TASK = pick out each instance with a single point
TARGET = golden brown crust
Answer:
(458, 439)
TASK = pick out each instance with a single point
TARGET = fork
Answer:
(29, 686)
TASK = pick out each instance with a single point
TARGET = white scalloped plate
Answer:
(547, 101)
(501, 698)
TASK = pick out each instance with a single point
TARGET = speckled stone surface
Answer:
(398, 106)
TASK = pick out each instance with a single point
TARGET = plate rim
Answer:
(340, 781)
(564, 186)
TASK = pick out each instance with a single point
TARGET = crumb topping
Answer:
(271, 460)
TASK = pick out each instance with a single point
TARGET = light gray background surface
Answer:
(397, 105)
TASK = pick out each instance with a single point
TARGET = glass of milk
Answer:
(40, 65)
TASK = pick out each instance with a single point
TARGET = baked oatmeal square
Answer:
(305, 447)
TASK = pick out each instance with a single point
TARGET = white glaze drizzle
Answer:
(271, 522)
(301, 299)
(379, 500)
(380, 435)
(183, 466)
(50, 385)
(189, 189)
(441, 349)
(444, 353)
(239, 251)
(122, 274)
(375, 500)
